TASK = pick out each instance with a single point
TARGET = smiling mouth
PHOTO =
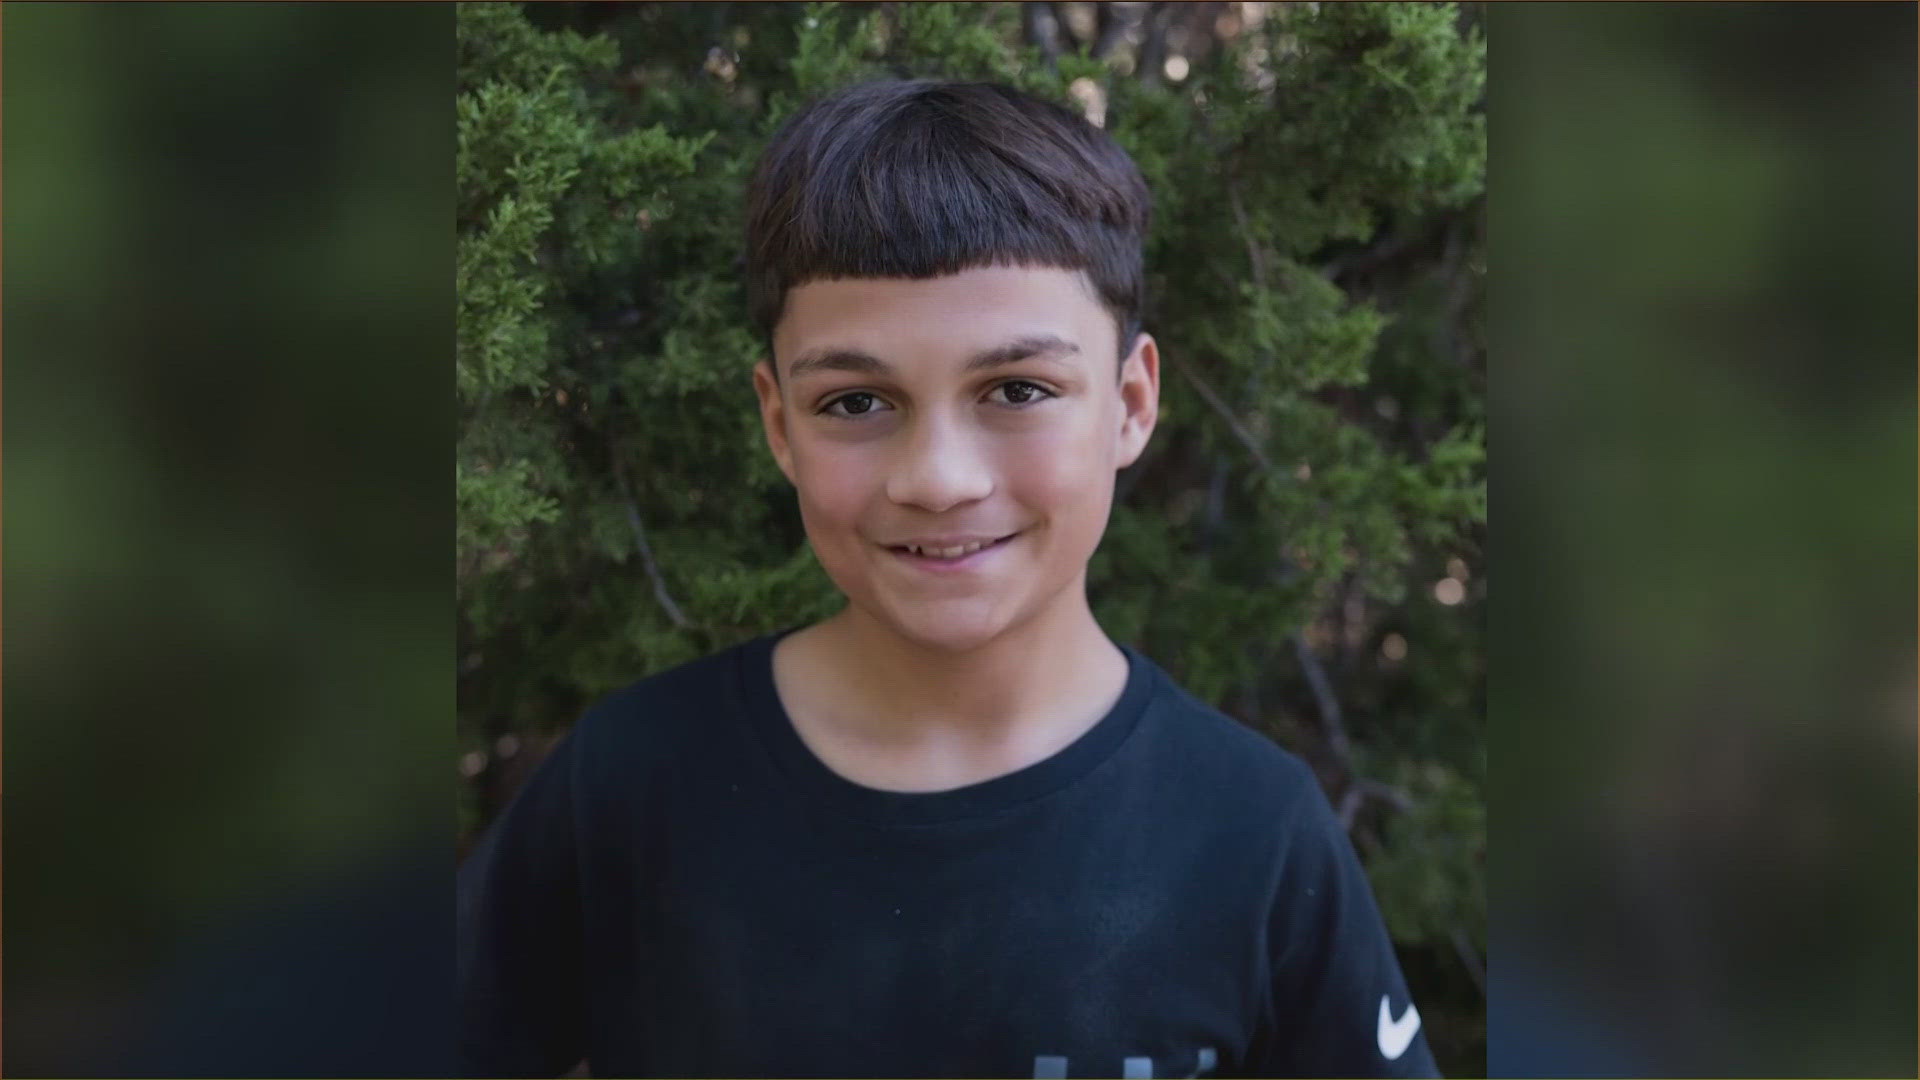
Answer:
(949, 554)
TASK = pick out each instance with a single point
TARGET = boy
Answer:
(953, 830)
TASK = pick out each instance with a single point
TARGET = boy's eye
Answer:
(858, 403)
(1021, 393)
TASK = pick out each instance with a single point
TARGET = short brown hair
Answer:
(923, 178)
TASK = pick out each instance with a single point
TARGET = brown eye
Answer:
(1022, 393)
(858, 403)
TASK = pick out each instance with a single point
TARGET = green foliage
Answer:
(1314, 271)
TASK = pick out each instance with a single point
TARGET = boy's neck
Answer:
(1042, 682)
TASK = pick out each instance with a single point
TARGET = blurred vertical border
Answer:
(226, 312)
(1703, 699)
(228, 331)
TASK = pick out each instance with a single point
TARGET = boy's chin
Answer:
(946, 631)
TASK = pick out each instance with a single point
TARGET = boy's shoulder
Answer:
(698, 678)
(667, 704)
(1200, 739)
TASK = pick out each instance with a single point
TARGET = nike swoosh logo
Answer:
(1396, 1035)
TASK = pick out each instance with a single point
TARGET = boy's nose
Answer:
(938, 468)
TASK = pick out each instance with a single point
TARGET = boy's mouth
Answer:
(949, 553)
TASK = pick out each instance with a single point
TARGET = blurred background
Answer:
(227, 306)
(228, 312)
(1302, 543)
(1703, 715)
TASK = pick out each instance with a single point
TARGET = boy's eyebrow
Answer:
(1023, 348)
(830, 358)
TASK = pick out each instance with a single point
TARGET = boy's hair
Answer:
(923, 178)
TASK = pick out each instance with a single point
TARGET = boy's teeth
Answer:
(949, 553)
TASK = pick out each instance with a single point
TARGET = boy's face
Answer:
(981, 406)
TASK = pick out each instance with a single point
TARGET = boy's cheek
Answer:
(829, 476)
(1066, 470)
(829, 509)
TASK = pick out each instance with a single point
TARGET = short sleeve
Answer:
(1340, 1005)
(520, 1007)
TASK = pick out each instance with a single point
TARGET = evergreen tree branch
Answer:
(1362, 789)
(1359, 788)
(660, 593)
(1040, 26)
(1111, 25)
(1330, 717)
(1256, 256)
(1470, 959)
(1068, 38)
(1239, 430)
(1153, 47)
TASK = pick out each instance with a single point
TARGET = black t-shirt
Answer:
(684, 889)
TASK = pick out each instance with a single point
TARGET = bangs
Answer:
(925, 179)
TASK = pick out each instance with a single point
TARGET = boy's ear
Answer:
(1139, 397)
(773, 416)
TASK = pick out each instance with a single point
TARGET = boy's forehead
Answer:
(952, 313)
